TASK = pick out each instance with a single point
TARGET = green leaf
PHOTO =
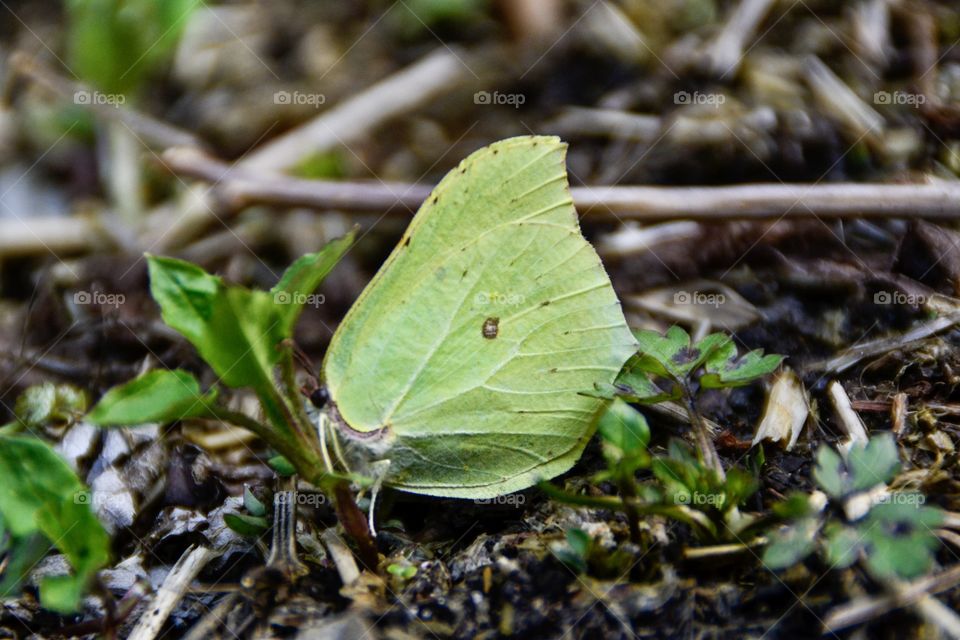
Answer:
(302, 278)
(791, 544)
(157, 396)
(797, 505)
(873, 464)
(725, 369)
(403, 571)
(282, 466)
(842, 545)
(830, 472)
(115, 43)
(899, 537)
(253, 504)
(245, 525)
(624, 430)
(41, 494)
(237, 331)
(634, 385)
(580, 541)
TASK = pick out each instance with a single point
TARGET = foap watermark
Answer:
(299, 98)
(493, 297)
(897, 497)
(302, 299)
(86, 97)
(700, 499)
(898, 298)
(511, 499)
(99, 298)
(899, 97)
(699, 297)
(300, 498)
(697, 97)
(512, 99)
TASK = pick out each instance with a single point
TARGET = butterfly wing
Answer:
(470, 348)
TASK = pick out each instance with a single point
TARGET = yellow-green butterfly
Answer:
(465, 361)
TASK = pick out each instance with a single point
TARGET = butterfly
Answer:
(467, 364)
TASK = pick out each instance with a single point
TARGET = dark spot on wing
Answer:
(496, 151)
(406, 242)
(436, 199)
(544, 303)
(464, 274)
(491, 327)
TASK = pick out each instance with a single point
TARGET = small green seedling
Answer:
(856, 519)
(44, 504)
(688, 487)
(682, 487)
(254, 522)
(669, 367)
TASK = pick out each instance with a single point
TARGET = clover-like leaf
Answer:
(725, 369)
(899, 539)
(156, 396)
(671, 355)
(634, 385)
(830, 472)
(791, 543)
(875, 463)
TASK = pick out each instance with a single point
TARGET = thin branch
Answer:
(237, 188)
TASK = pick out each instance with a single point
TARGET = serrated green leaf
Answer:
(899, 539)
(731, 371)
(830, 472)
(41, 494)
(302, 278)
(873, 464)
(791, 544)
(634, 385)
(156, 396)
(236, 330)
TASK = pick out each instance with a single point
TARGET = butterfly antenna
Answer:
(322, 424)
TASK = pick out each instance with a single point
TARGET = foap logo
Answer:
(898, 298)
(700, 499)
(699, 297)
(485, 298)
(300, 498)
(899, 97)
(99, 298)
(511, 500)
(298, 298)
(697, 97)
(299, 98)
(511, 99)
(897, 497)
(85, 97)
